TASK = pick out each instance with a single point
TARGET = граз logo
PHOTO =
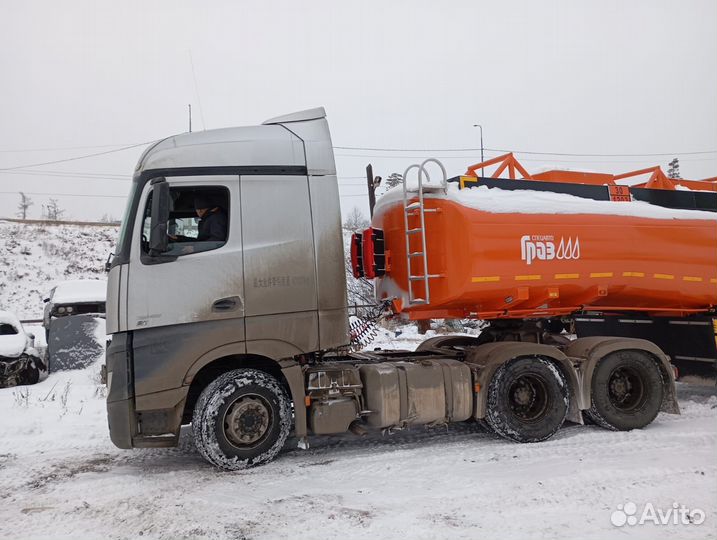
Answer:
(542, 247)
(677, 514)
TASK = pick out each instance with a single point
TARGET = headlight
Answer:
(70, 309)
(61, 310)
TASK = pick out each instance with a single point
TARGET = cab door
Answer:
(194, 285)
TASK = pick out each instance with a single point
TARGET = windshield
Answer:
(126, 216)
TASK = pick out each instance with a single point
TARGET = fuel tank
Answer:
(493, 253)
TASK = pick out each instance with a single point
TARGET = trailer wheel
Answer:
(241, 419)
(527, 400)
(627, 391)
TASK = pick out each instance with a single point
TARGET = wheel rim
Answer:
(626, 389)
(529, 398)
(247, 421)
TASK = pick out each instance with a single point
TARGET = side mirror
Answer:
(158, 239)
(108, 262)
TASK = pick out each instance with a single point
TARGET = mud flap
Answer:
(75, 342)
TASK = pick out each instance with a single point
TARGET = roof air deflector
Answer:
(301, 116)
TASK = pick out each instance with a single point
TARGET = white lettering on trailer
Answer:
(542, 247)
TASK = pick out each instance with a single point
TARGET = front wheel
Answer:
(241, 419)
(528, 400)
(627, 391)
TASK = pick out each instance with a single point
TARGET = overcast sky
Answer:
(601, 77)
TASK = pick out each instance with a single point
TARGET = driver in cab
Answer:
(212, 226)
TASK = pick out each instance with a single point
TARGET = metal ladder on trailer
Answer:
(409, 209)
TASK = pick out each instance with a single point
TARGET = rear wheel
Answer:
(241, 419)
(627, 391)
(528, 400)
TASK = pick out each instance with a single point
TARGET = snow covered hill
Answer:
(35, 256)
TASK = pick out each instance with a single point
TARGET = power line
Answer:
(372, 149)
(71, 175)
(403, 156)
(60, 148)
(356, 148)
(76, 157)
(63, 194)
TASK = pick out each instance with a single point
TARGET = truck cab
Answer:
(181, 309)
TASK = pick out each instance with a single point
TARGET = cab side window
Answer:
(198, 220)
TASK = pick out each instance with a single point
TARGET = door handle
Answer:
(226, 304)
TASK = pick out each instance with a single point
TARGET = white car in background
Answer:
(20, 362)
(74, 297)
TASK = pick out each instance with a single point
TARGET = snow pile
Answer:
(80, 290)
(501, 201)
(35, 257)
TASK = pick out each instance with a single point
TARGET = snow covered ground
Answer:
(61, 477)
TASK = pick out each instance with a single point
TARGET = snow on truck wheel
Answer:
(241, 419)
(627, 391)
(528, 400)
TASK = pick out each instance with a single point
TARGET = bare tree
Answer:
(360, 291)
(674, 169)
(25, 203)
(355, 221)
(393, 180)
(54, 212)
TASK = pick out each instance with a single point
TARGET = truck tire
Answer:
(241, 419)
(626, 391)
(528, 400)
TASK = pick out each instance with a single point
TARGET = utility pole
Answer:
(371, 189)
(190, 118)
(482, 159)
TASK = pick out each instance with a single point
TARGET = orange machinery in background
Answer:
(657, 179)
